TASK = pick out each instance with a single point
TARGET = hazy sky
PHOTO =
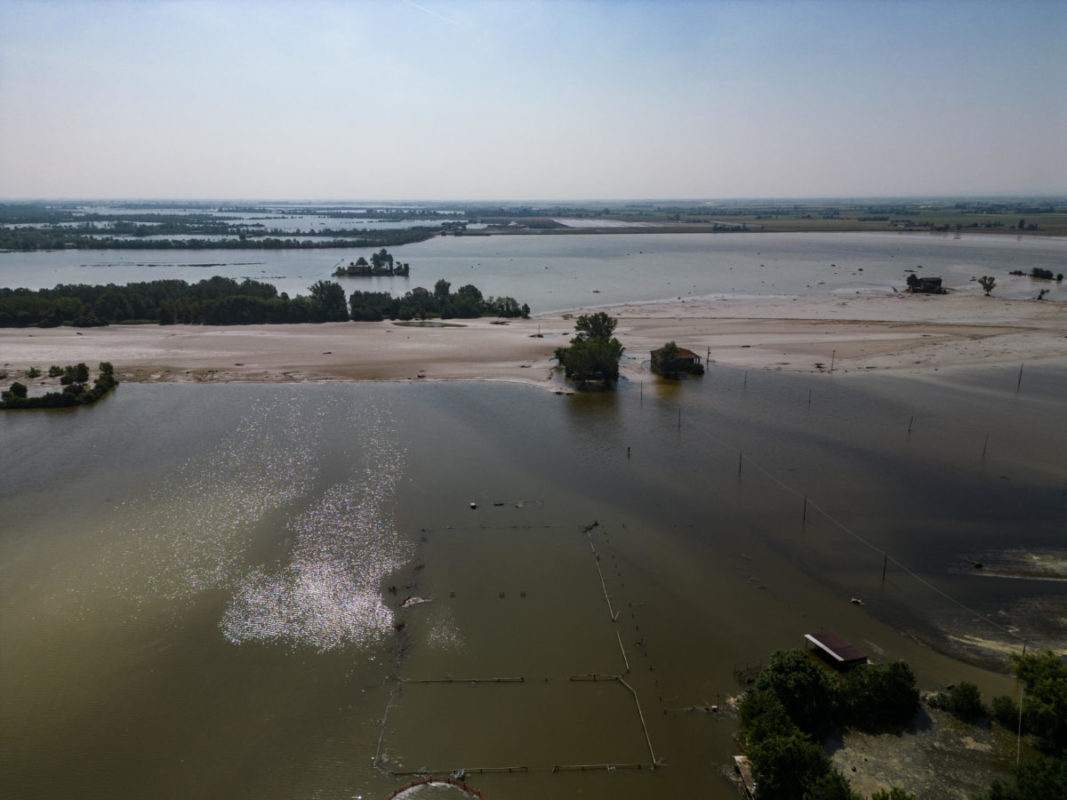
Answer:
(419, 99)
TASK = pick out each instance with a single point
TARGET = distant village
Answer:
(381, 263)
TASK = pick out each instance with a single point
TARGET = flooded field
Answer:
(256, 590)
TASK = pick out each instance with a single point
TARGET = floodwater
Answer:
(216, 590)
(556, 272)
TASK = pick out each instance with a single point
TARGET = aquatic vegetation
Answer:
(75, 391)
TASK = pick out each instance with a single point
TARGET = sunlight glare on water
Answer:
(193, 529)
(327, 596)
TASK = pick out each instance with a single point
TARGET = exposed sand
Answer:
(891, 332)
(887, 332)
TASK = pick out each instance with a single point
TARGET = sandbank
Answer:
(894, 332)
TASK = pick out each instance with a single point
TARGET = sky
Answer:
(521, 100)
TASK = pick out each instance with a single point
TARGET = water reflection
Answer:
(220, 589)
(328, 594)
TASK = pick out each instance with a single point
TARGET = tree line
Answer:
(64, 238)
(467, 302)
(224, 301)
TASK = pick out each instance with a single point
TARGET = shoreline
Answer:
(895, 333)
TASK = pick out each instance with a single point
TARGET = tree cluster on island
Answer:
(594, 352)
(76, 390)
(1041, 274)
(381, 263)
(795, 703)
(224, 301)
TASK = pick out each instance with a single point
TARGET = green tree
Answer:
(81, 372)
(987, 283)
(441, 289)
(1044, 676)
(806, 690)
(593, 359)
(665, 360)
(470, 292)
(18, 390)
(763, 716)
(784, 766)
(595, 326)
(593, 354)
(328, 301)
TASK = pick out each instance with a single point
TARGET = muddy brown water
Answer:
(201, 586)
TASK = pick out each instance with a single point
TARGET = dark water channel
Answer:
(197, 587)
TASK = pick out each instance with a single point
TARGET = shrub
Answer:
(893, 794)
(880, 698)
(1005, 711)
(962, 700)
(831, 785)
(1042, 779)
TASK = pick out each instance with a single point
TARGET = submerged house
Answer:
(917, 285)
(837, 650)
(671, 360)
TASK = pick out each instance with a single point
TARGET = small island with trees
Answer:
(75, 392)
(381, 263)
(1040, 274)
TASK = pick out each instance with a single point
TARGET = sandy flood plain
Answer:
(860, 333)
